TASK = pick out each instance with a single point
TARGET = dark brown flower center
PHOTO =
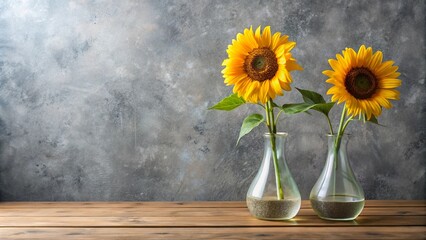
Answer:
(261, 64)
(361, 83)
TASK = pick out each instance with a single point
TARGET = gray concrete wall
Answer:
(106, 100)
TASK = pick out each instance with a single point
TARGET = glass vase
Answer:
(337, 195)
(273, 194)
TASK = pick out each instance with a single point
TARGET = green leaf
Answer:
(373, 119)
(311, 97)
(303, 107)
(249, 124)
(229, 103)
(274, 104)
(294, 108)
(323, 107)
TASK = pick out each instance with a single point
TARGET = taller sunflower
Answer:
(259, 65)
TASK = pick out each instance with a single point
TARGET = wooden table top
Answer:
(201, 220)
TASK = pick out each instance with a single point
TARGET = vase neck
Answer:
(337, 156)
(277, 135)
(274, 147)
(278, 139)
(334, 142)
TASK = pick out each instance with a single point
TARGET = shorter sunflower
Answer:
(259, 65)
(363, 81)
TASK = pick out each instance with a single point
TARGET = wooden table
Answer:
(201, 220)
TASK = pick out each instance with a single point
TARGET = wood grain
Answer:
(215, 233)
(181, 212)
(380, 219)
(204, 204)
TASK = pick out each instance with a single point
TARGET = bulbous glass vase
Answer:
(337, 195)
(273, 194)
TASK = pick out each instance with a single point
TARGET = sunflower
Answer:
(363, 81)
(259, 65)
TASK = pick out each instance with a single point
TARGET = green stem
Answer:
(270, 109)
(346, 124)
(339, 132)
(329, 124)
(261, 105)
(342, 127)
(337, 142)
(278, 115)
(338, 138)
(272, 131)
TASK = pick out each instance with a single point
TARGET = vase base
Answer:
(269, 208)
(341, 209)
(338, 219)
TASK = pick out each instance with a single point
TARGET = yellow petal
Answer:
(343, 63)
(233, 62)
(341, 98)
(283, 40)
(266, 36)
(257, 35)
(241, 88)
(352, 56)
(254, 96)
(361, 56)
(334, 98)
(280, 51)
(288, 77)
(382, 101)
(289, 46)
(235, 79)
(263, 93)
(281, 73)
(389, 83)
(352, 106)
(328, 73)
(285, 86)
(250, 89)
(232, 71)
(271, 92)
(346, 56)
(376, 60)
(365, 108)
(335, 82)
(394, 75)
(334, 90)
(237, 52)
(384, 66)
(386, 69)
(250, 40)
(292, 65)
(375, 107)
(336, 66)
(282, 60)
(368, 55)
(241, 43)
(276, 85)
(388, 93)
(275, 40)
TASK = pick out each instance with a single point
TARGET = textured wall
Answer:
(106, 100)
